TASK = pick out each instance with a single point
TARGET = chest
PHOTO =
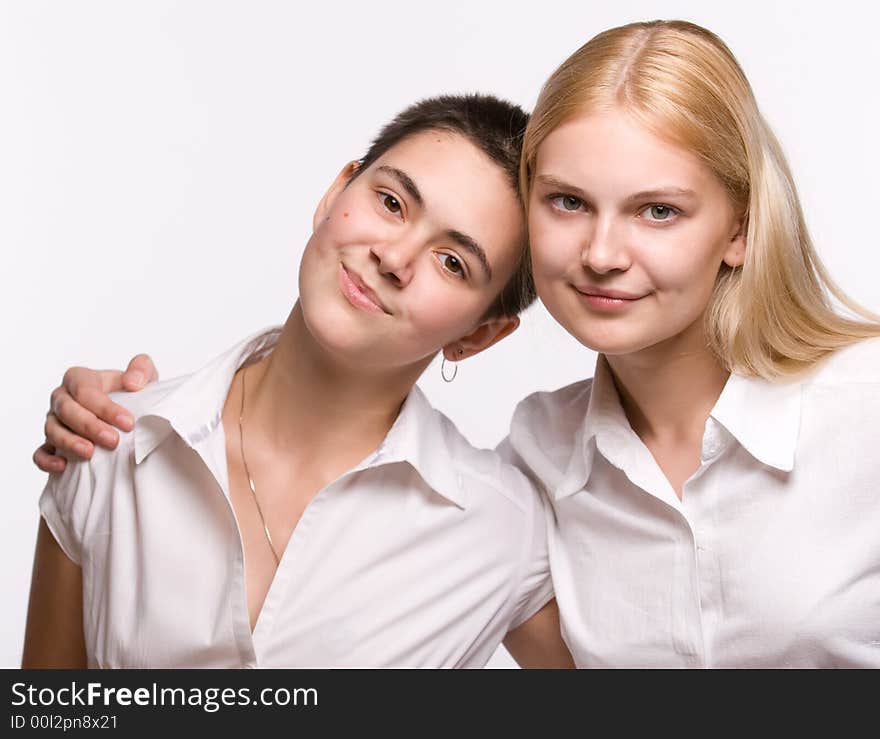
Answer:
(268, 503)
(372, 575)
(754, 568)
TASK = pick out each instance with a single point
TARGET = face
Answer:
(628, 233)
(406, 258)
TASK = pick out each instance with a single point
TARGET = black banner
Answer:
(402, 702)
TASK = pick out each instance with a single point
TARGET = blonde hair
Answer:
(774, 316)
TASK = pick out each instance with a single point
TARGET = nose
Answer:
(604, 248)
(395, 260)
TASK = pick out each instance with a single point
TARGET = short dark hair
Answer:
(494, 126)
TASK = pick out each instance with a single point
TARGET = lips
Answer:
(358, 293)
(604, 300)
(596, 292)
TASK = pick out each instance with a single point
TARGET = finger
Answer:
(80, 420)
(46, 459)
(102, 408)
(140, 371)
(65, 440)
(77, 378)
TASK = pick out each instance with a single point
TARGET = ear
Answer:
(482, 337)
(735, 253)
(338, 185)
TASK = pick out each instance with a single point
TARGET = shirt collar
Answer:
(194, 408)
(605, 423)
(419, 436)
(424, 438)
(763, 416)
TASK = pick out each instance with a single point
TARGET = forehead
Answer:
(462, 189)
(445, 154)
(613, 151)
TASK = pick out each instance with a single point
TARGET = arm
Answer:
(537, 643)
(54, 633)
(81, 414)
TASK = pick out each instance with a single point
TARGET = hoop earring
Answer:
(443, 370)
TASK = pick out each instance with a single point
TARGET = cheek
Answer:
(350, 221)
(685, 262)
(311, 259)
(554, 247)
(435, 311)
(441, 313)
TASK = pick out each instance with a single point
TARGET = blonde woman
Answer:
(716, 484)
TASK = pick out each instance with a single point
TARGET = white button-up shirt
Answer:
(425, 554)
(770, 559)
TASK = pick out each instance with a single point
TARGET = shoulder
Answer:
(87, 490)
(554, 409)
(143, 402)
(489, 478)
(843, 393)
(857, 364)
(202, 390)
(544, 427)
(108, 464)
(502, 507)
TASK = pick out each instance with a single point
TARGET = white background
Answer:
(159, 163)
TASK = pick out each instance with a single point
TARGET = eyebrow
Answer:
(550, 180)
(657, 193)
(660, 193)
(462, 239)
(406, 182)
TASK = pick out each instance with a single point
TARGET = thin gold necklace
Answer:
(247, 471)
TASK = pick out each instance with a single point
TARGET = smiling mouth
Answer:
(607, 300)
(359, 294)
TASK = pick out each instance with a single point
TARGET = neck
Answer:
(302, 400)
(668, 390)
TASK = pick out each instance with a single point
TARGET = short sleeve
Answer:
(64, 505)
(535, 587)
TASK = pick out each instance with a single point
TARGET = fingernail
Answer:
(107, 439)
(125, 421)
(81, 450)
(137, 378)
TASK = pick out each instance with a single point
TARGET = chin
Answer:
(333, 328)
(611, 340)
(622, 343)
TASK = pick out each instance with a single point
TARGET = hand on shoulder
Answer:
(82, 414)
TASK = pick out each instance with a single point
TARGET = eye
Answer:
(659, 212)
(452, 263)
(567, 203)
(390, 203)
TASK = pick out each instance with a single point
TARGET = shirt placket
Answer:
(684, 618)
(698, 507)
(212, 451)
(292, 566)
(289, 569)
